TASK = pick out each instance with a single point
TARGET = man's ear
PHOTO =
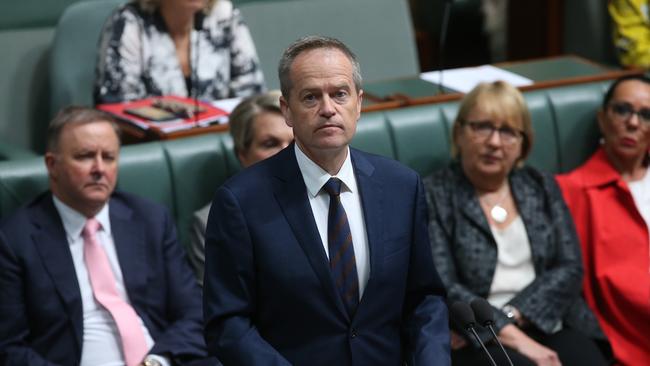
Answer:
(359, 103)
(284, 108)
(50, 163)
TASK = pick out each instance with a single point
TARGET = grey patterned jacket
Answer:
(137, 57)
(465, 252)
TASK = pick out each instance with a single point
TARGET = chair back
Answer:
(74, 52)
(379, 32)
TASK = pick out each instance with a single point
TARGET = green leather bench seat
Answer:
(183, 174)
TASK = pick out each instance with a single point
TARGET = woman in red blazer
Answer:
(609, 199)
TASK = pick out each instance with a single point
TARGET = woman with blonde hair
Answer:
(190, 48)
(501, 231)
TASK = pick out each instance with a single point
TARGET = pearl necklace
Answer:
(498, 213)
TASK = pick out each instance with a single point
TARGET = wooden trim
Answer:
(607, 74)
(133, 134)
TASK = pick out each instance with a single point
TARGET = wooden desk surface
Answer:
(132, 134)
(546, 73)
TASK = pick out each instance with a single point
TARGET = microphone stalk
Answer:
(478, 339)
(464, 315)
(441, 44)
(494, 336)
(485, 314)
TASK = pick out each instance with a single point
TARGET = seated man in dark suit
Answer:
(89, 276)
(320, 255)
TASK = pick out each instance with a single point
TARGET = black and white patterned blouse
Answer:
(137, 57)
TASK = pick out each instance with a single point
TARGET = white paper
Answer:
(227, 104)
(466, 78)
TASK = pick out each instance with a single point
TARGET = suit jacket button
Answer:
(353, 333)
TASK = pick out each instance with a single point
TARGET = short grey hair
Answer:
(312, 43)
(242, 117)
(76, 115)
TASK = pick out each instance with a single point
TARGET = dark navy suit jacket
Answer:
(269, 298)
(40, 304)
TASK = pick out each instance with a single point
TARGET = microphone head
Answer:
(483, 311)
(463, 314)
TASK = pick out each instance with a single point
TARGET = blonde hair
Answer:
(242, 117)
(151, 5)
(501, 101)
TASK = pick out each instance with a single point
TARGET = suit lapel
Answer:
(291, 194)
(129, 238)
(468, 203)
(371, 192)
(530, 205)
(52, 245)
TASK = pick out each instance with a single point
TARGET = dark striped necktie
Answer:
(342, 262)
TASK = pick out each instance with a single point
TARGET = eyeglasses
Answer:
(624, 111)
(485, 129)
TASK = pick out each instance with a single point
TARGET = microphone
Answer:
(199, 17)
(485, 314)
(464, 315)
(444, 25)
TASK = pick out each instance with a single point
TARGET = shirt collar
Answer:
(598, 170)
(315, 177)
(74, 221)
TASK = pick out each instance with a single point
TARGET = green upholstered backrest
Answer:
(9, 151)
(366, 26)
(373, 135)
(32, 13)
(544, 154)
(574, 110)
(27, 29)
(197, 166)
(21, 181)
(23, 85)
(74, 52)
(183, 174)
(144, 170)
(421, 137)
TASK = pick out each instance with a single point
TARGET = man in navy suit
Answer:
(89, 276)
(320, 255)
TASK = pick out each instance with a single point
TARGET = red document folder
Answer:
(210, 114)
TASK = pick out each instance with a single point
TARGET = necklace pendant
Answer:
(499, 214)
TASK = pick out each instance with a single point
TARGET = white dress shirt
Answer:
(640, 191)
(315, 178)
(101, 340)
(514, 269)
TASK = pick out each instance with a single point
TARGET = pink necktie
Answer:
(103, 284)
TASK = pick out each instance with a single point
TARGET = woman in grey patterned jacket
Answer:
(189, 48)
(501, 231)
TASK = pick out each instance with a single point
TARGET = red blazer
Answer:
(615, 244)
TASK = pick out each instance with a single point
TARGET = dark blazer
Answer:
(269, 298)
(40, 302)
(465, 252)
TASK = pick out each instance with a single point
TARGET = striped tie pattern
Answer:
(342, 261)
